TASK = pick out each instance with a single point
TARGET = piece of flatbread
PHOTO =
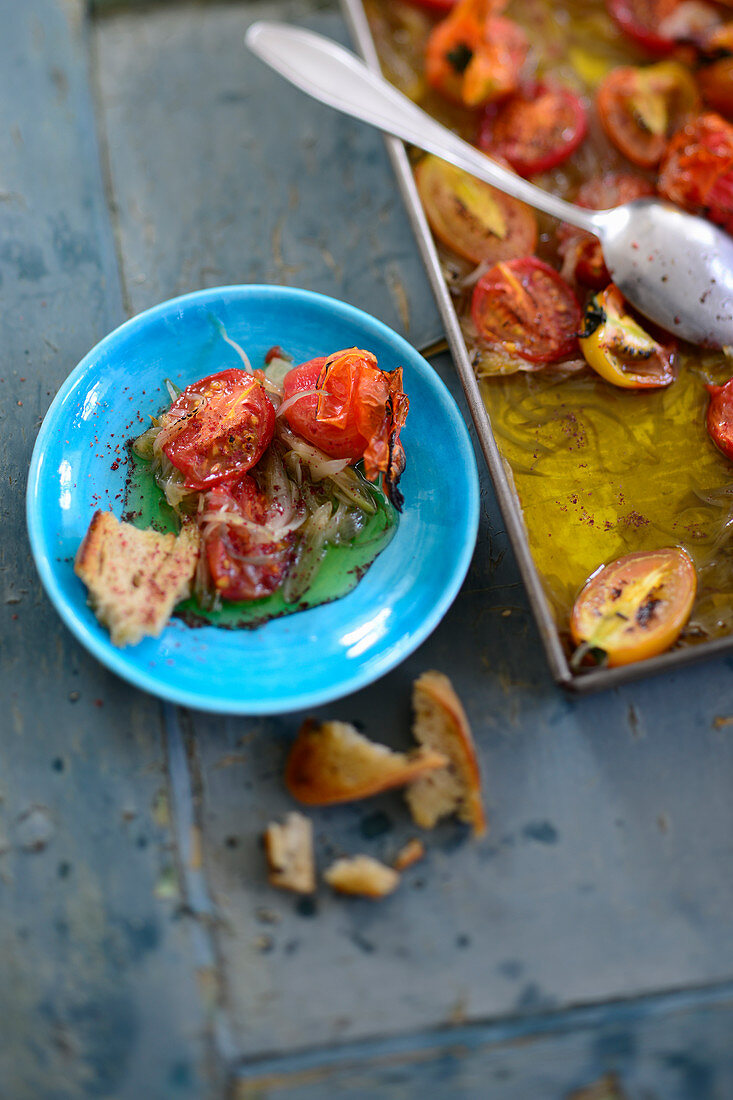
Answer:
(440, 724)
(135, 578)
(362, 876)
(332, 762)
(289, 851)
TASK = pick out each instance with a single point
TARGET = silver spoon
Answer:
(675, 268)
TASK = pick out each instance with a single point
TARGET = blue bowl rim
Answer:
(114, 659)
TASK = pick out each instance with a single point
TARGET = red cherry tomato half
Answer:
(525, 305)
(472, 218)
(434, 7)
(719, 421)
(697, 169)
(535, 129)
(715, 81)
(219, 427)
(640, 108)
(474, 56)
(640, 21)
(581, 253)
(357, 413)
(340, 441)
(244, 563)
(635, 607)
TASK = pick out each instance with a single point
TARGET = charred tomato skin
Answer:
(346, 442)
(474, 56)
(526, 306)
(719, 418)
(618, 348)
(357, 413)
(697, 169)
(635, 607)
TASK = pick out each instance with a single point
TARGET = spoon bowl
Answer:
(675, 268)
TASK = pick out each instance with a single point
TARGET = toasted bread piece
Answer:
(332, 762)
(135, 578)
(363, 876)
(441, 724)
(408, 854)
(289, 851)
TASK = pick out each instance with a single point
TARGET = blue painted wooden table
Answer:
(582, 950)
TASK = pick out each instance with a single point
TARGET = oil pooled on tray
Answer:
(599, 471)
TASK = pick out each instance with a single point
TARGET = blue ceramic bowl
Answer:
(300, 660)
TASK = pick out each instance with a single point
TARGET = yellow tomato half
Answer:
(616, 346)
(471, 217)
(635, 607)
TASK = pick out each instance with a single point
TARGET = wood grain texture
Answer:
(98, 995)
(224, 173)
(602, 875)
(605, 872)
(658, 1048)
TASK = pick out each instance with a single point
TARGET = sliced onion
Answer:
(174, 391)
(295, 397)
(276, 370)
(309, 556)
(144, 445)
(233, 344)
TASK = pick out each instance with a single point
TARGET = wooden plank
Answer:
(98, 993)
(605, 873)
(675, 1047)
(207, 194)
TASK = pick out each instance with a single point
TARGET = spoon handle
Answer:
(338, 78)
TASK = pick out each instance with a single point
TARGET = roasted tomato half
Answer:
(641, 108)
(474, 55)
(659, 26)
(435, 7)
(471, 217)
(635, 607)
(218, 428)
(246, 559)
(581, 252)
(525, 306)
(715, 81)
(351, 410)
(719, 421)
(697, 169)
(535, 129)
(616, 346)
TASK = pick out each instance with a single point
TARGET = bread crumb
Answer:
(362, 876)
(408, 854)
(332, 762)
(289, 851)
(135, 578)
(440, 723)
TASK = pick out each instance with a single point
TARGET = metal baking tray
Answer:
(511, 509)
